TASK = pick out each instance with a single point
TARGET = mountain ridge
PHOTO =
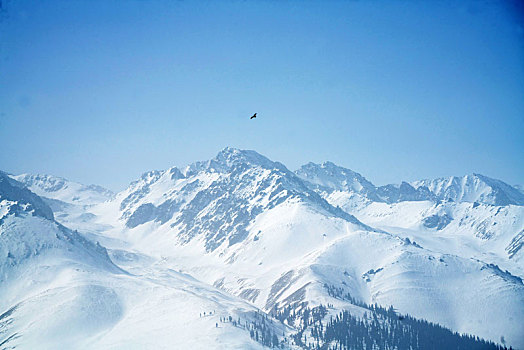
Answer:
(330, 177)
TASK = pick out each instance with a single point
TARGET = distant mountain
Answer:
(473, 188)
(58, 188)
(329, 177)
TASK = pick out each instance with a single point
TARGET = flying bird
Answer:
(253, 116)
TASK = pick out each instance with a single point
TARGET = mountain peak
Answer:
(231, 155)
(329, 176)
(229, 158)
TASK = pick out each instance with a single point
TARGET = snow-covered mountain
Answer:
(328, 177)
(256, 230)
(473, 188)
(70, 201)
(58, 188)
(219, 198)
(473, 217)
(29, 231)
(472, 205)
(241, 234)
(34, 250)
(61, 290)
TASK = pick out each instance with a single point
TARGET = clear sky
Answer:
(102, 91)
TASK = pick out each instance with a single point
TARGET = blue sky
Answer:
(102, 91)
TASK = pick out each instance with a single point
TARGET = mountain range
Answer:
(244, 238)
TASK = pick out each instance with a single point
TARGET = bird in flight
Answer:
(253, 116)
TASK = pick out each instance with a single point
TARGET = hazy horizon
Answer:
(101, 92)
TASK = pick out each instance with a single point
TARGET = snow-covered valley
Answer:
(243, 236)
